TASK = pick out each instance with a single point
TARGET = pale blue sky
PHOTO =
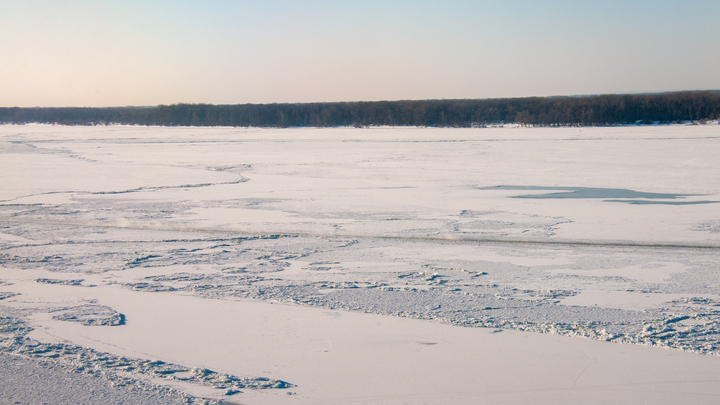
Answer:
(124, 52)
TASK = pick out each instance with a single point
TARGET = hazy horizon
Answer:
(372, 101)
(87, 54)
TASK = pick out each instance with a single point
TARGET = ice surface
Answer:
(158, 256)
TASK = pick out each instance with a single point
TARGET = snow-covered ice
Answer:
(373, 266)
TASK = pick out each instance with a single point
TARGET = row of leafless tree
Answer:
(585, 110)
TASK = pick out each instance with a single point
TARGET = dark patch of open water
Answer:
(609, 194)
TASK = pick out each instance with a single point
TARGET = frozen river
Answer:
(366, 266)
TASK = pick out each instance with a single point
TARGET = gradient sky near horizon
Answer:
(118, 53)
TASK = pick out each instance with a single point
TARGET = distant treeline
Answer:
(548, 111)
